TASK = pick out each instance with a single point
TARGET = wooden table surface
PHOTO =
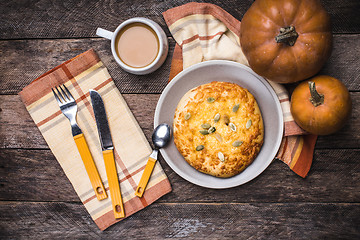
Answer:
(38, 201)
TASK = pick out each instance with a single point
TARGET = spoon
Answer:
(160, 137)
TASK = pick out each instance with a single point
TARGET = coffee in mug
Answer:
(139, 45)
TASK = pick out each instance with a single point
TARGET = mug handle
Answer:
(104, 33)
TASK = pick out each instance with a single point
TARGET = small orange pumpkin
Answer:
(321, 105)
(286, 40)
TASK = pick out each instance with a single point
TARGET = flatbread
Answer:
(232, 142)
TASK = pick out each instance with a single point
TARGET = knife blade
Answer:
(108, 153)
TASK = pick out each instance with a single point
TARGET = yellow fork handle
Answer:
(145, 177)
(90, 167)
(114, 186)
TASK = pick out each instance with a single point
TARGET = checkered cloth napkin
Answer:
(131, 152)
(204, 32)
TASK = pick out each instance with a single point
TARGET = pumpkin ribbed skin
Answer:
(280, 62)
(329, 116)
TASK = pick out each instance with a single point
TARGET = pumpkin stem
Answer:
(287, 35)
(316, 98)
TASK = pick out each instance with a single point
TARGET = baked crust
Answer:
(199, 106)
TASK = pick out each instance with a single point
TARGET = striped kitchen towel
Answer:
(131, 149)
(204, 31)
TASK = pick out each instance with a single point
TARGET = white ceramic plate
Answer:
(226, 71)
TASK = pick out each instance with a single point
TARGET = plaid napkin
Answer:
(131, 152)
(204, 32)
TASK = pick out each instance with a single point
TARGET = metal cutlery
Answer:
(68, 107)
(108, 153)
(160, 137)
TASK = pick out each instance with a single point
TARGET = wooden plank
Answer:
(190, 221)
(35, 175)
(24, 60)
(64, 19)
(17, 130)
(343, 63)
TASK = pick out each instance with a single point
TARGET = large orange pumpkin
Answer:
(286, 40)
(321, 105)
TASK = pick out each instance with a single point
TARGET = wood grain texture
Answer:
(188, 221)
(35, 175)
(69, 19)
(17, 130)
(25, 60)
(343, 63)
(37, 201)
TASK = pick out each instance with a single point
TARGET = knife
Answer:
(108, 153)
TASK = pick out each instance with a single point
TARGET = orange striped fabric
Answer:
(204, 31)
(131, 149)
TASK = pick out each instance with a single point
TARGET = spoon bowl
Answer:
(161, 135)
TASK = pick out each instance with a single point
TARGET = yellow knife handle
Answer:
(114, 186)
(90, 167)
(145, 177)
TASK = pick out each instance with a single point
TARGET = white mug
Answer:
(163, 45)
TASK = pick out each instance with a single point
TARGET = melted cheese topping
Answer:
(202, 104)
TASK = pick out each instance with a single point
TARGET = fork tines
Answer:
(62, 96)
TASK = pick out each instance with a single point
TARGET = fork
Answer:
(68, 107)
